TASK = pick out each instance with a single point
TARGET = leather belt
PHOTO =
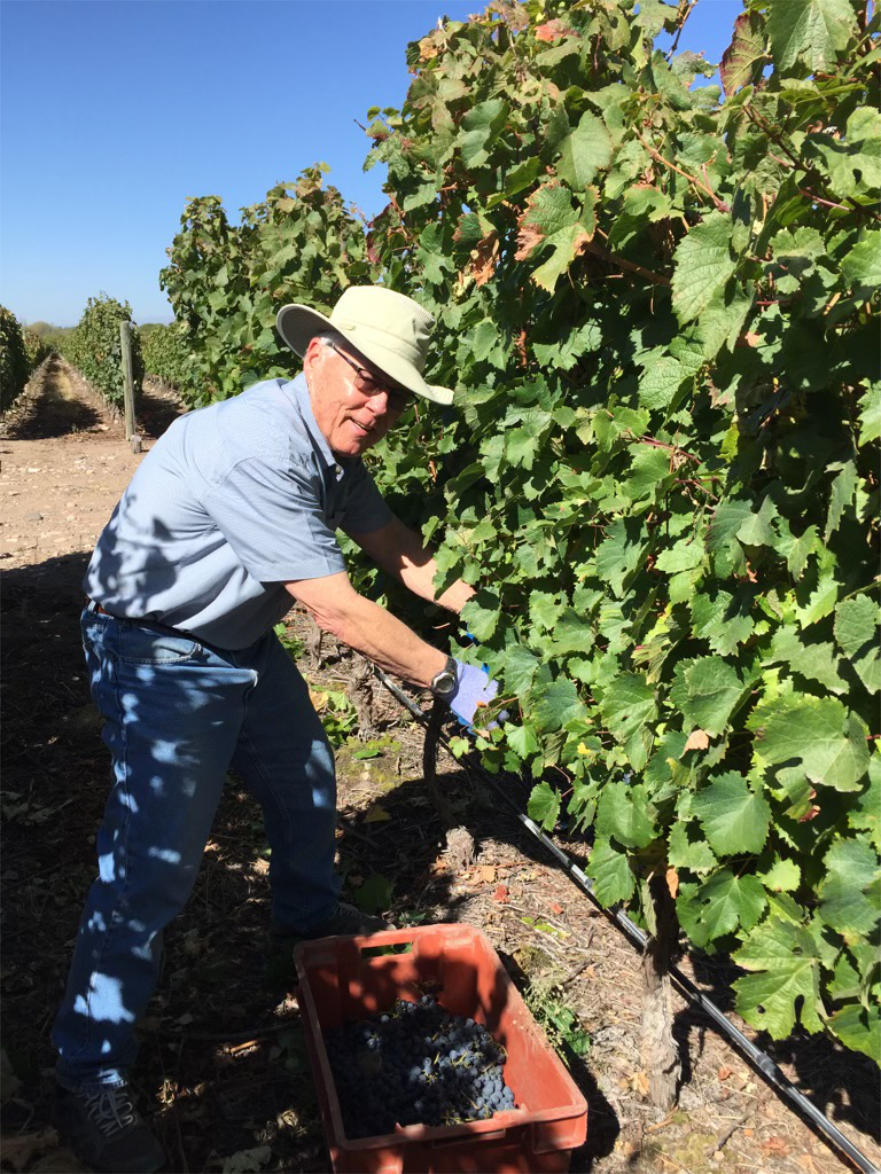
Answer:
(93, 606)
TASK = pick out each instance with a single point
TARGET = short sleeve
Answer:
(275, 522)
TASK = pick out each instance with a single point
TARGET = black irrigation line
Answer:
(760, 1060)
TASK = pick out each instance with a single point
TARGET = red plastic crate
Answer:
(344, 978)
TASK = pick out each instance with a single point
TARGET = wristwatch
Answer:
(443, 684)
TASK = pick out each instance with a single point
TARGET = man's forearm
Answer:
(370, 629)
(381, 637)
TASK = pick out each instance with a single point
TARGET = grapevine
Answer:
(663, 475)
(94, 347)
(659, 305)
(15, 362)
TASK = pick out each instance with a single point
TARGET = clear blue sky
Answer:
(114, 112)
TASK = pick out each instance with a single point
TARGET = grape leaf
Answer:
(852, 869)
(622, 813)
(703, 265)
(584, 152)
(481, 126)
(723, 320)
(520, 666)
(840, 497)
(375, 895)
(565, 353)
(544, 806)
(802, 548)
(856, 625)
(555, 705)
(866, 815)
(628, 704)
(572, 634)
(551, 219)
(820, 601)
(816, 731)
(756, 529)
(722, 536)
(649, 472)
(734, 818)
(717, 906)
(684, 555)
(863, 133)
(687, 849)
(706, 691)
(816, 662)
(545, 609)
(718, 620)
(787, 964)
(783, 876)
(742, 60)
(610, 871)
(858, 1027)
(870, 414)
(618, 554)
(660, 381)
(811, 31)
(521, 739)
(481, 616)
(862, 265)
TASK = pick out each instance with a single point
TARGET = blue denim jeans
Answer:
(177, 716)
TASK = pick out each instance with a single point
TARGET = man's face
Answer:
(353, 407)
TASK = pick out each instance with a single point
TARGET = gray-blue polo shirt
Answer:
(231, 503)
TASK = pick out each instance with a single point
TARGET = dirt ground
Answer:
(222, 1071)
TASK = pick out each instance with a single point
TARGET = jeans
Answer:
(177, 715)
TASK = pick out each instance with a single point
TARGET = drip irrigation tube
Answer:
(760, 1060)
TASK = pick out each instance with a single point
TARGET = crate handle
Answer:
(351, 950)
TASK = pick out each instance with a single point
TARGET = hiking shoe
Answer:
(344, 921)
(104, 1129)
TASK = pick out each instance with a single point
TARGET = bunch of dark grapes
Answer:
(415, 1063)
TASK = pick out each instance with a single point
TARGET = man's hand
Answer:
(474, 689)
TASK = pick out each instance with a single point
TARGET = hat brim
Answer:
(298, 325)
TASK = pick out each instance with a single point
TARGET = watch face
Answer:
(444, 684)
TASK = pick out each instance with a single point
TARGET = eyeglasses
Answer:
(369, 385)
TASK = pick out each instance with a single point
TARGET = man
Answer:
(228, 520)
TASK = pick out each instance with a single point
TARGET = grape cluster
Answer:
(415, 1063)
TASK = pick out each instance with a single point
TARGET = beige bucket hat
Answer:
(387, 328)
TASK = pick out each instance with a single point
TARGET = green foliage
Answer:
(227, 282)
(165, 353)
(558, 1020)
(374, 896)
(52, 338)
(337, 712)
(659, 305)
(290, 642)
(37, 348)
(94, 347)
(14, 363)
